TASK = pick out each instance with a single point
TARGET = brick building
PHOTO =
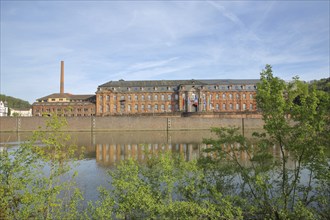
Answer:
(159, 96)
(64, 104)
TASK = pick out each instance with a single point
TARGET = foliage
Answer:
(35, 178)
(322, 84)
(166, 187)
(15, 102)
(294, 184)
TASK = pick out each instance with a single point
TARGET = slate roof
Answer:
(155, 83)
(67, 95)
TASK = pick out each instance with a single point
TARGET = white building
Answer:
(3, 109)
(21, 112)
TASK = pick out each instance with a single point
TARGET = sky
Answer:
(101, 41)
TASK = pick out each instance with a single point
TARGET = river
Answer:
(104, 149)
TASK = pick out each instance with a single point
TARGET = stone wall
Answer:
(125, 123)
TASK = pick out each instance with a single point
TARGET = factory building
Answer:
(64, 104)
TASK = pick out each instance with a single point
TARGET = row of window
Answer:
(71, 100)
(169, 88)
(169, 97)
(143, 97)
(62, 109)
(168, 108)
(231, 107)
(142, 108)
(230, 96)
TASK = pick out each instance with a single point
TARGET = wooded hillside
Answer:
(15, 102)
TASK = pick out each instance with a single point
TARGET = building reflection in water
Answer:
(109, 148)
(109, 154)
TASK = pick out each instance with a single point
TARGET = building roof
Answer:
(67, 95)
(152, 83)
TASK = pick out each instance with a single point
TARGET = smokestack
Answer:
(62, 78)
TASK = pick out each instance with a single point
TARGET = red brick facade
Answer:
(136, 97)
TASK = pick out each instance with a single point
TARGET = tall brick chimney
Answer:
(62, 78)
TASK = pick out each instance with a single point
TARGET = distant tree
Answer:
(322, 84)
(15, 114)
(15, 102)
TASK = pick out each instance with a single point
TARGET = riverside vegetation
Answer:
(37, 180)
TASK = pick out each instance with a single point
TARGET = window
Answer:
(217, 96)
(251, 96)
(237, 106)
(251, 107)
(142, 107)
(231, 106)
(136, 107)
(169, 107)
(129, 98)
(149, 107)
(156, 97)
(114, 97)
(149, 97)
(223, 96)
(101, 98)
(176, 97)
(156, 107)
(115, 108)
(230, 96)
(122, 97)
(244, 106)
(163, 107)
(217, 106)
(108, 108)
(169, 97)
(244, 96)
(142, 97)
(136, 97)
(163, 97)
(224, 106)
(237, 96)
(108, 98)
(168, 88)
(101, 108)
(176, 107)
(129, 108)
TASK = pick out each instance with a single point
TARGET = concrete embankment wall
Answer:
(126, 123)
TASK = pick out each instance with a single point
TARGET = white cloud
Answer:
(104, 40)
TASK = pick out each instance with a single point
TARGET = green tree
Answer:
(37, 179)
(294, 184)
(165, 187)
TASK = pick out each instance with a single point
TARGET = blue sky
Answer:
(101, 41)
